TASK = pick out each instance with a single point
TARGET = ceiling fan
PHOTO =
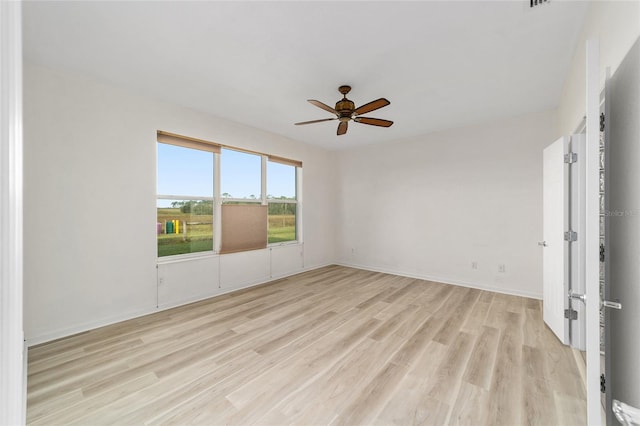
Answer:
(346, 110)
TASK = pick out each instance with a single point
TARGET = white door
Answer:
(622, 332)
(576, 250)
(553, 258)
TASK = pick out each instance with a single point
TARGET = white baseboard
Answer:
(142, 311)
(444, 280)
(48, 336)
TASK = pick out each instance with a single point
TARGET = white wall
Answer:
(90, 167)
(430, 206)
(617, 26)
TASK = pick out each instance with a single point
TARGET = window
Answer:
(257, 198)
(281, 190)
(244, 217)
(240, 176)
(185, 196)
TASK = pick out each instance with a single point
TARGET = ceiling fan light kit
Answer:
(345, 111)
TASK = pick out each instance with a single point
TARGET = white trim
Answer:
(242, 200)
(183, 197)
(281, 201)
(217, 205)
(48, 336)
(263, 180)
(175, 258)
(581, 127)
(12, 355)
(443, 280)
(142, 311)
(592, 233)
(299, 210)
(284, 243)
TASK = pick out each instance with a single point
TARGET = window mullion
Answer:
(217, 205)
(299, 204)
(263, 180)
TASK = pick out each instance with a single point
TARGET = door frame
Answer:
(13, 354)
(592, 233)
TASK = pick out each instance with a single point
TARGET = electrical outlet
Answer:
(474, 265)
(501, 268)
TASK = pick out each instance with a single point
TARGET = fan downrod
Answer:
(344, 90)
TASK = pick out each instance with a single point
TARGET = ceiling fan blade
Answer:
(315, 121)
(371, 106)
(373, 121)
(342, 127)
(323, 106)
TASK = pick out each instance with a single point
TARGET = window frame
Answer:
(218, 200)
(193, 144)
(298, 178)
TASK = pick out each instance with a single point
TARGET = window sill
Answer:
(210, 255)
(286, 243)
(186, 257)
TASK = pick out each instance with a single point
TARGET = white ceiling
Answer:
(441, 64)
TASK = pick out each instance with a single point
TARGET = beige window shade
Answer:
(187, 142)
(244, 227)
(286, 161)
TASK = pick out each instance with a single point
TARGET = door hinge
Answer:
(571, 158)
(603, 383)
(571, 314)
(602, 122)
(571, 236)
(537, 2)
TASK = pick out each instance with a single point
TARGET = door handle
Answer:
(542, 243)
(581, 297)
(626, 414)
(611, 304)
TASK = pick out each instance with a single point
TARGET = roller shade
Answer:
(244, 227)
(187, 142)
(283, 160)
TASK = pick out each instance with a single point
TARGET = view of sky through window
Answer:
(281, 180)
(240, 174)
(189, 172)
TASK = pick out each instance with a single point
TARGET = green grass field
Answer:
(199, 234)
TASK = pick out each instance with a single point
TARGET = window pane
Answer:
(282, 222)
(184, 171)
(184, 227)
(281, 181)
(240, 174)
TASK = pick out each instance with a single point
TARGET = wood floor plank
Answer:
(480, 366)
(506, 385)
(570, 410)
(339, 386)
(470, 405)
(460, 307)
(446, 381)
(375, 395)
(411, 403)
(333, 345)
(538, 403)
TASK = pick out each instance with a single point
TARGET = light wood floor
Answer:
(331, 346)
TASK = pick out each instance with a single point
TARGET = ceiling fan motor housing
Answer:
(344, 108)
